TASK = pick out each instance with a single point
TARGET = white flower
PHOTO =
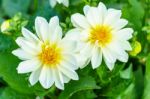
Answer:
(48, 57)
(64, 2)
(100, 34)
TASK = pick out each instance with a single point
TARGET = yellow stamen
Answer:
(100, 34)
(50, 55)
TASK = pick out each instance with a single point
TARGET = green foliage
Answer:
(9, 93)
(11, 7)
(134, 9)
(128, 93)
(147, 80)
(88, 94)
(115, 82)
(8, 64)
(85, 83)
(6, 43)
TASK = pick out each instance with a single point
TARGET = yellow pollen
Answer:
(100, 34)
(50, 55)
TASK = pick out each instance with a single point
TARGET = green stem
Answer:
(52, 89)
(35, 5)
(50, 93)
(86, 2)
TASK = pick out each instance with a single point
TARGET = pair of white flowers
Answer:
(51, 59)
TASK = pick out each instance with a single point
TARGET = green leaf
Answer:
(129, 90)
(116, 87)
(139, 82)
(134, 9)
(114, 82)
(86, 94)
(105, 75)
(19, 82)
(1, 90)
(127, 73)
(6, 43)
(84, 83)
(9, 93)
(11, 7)
(147, 79)
(75, 2)
(128, 93)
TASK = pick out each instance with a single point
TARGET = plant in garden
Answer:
(75, 49)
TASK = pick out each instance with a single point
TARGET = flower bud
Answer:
(136, 48)
(5, 26)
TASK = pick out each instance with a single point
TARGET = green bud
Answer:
(5, 26)
(136, 48)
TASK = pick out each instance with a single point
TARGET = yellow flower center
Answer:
(51, 54)
(100, 34)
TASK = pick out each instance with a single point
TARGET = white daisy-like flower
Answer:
(48, 57)
(54, 2)
(101, 34)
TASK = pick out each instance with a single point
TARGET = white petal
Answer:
(87, 50)
(124, 34)
(66, 2)
(57, 80)
(46, 77)
(85, 35)
(108, 55)
(52, 3)
(59, 1)
(102, 10)
(53, 23)
(96, 57)
(125, 45)
(112, 16)
(42, 28)
(124, 57)
(57, 35)
(86, 9)
(68, 45)
(73, 34)
(80, 46)
(34, 77)
(118, 52)
(65, 78)
(66, 70)
(27, 46)
(22, 54)
(78, 20)
(28, 66)
(109, 65)
(109, 58)
(61, 77)
(82, 61)
(94, 16)
(120, 24)
(70, 61)
(29, 35)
